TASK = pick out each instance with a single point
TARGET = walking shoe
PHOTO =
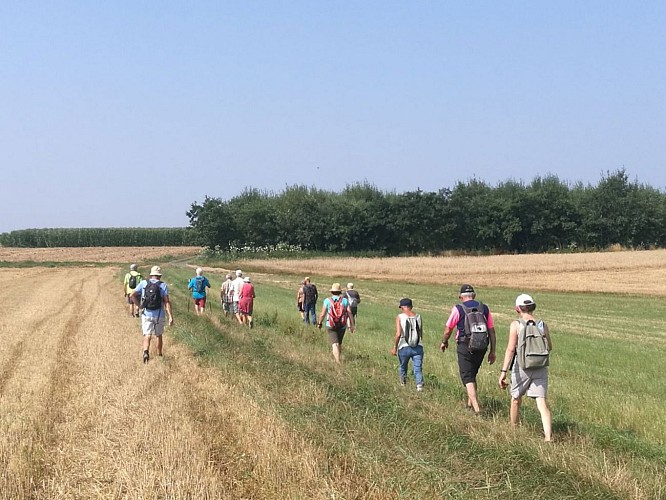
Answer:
(146, 356)
(419, 388)
(403, 381)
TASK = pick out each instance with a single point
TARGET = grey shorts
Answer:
(152, 326)
(335, 336)
(533, 382)
(228, 307)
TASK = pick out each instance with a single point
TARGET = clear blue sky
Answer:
(106, 104)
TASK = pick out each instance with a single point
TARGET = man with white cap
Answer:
(238, 288)
(198, 285)
(155, 303)
(227, 295)
(532, 380)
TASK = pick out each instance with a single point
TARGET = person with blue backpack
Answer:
(198, 285)
(527, 358)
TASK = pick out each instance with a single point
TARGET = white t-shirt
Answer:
(238, 286)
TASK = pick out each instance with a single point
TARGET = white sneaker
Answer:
(419, 388)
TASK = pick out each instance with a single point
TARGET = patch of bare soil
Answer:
(82, 417)
(93, 254)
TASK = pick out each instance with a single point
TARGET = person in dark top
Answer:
(353, 297)
(310, 297)
(469, 362)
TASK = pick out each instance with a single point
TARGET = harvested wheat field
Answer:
(92, 254)
(82, 417)
(638, 272)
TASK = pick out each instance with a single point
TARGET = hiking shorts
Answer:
(234, 307)
(533, 382)
(469, 363)
(152, 326)
(335, 336)
(228, 307)
(200, 302)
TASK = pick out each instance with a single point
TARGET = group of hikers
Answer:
(470, 322)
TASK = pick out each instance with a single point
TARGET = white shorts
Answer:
(533, 382)
(152, 326)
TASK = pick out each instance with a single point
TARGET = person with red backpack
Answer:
(475, 332)
(336, 312)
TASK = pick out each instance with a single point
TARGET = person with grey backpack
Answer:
(408, 342)
(527, 358)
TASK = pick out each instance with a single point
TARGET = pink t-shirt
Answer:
(454, 318)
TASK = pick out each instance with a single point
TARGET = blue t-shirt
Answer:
(164, 292)
(193, 286)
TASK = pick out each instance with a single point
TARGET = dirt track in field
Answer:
(93, 254)
(82, 417)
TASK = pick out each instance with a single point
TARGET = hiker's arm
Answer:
(491, 354)
(547, 334)
(445, 339)
(320, 322)
(508, 355)
(396, 340)
(167, 308)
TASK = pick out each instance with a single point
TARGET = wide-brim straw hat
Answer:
(335, 288)
(156, 271)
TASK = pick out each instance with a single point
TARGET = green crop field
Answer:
(606, 393)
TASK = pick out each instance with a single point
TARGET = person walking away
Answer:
(527, 357)
(408, 342)
(132, 279)
(299, 300)
(246, 303)
(335, 311)
(154, 294)
(475, 330)
(310, 297)
(198, 286)
(237, 284)
(354, 299)
(227, 296)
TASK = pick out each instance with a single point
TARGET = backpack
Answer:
(199, 285)
(476, 328)
(152, 296)
(413, 330)
(337, 315)
(133, 280)
(532, 349)
(309, 294)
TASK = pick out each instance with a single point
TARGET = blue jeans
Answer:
(416, 355)
(307, 310)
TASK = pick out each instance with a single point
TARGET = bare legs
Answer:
(336, 348)
(472, 400)
(542, 406)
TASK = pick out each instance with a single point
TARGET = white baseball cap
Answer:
(524, 300)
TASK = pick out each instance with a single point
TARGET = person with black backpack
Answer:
(527, 358)
(132, 279)
(198, 285)
(154, 294)
(310, 297)
(408, 342)
(475, 332)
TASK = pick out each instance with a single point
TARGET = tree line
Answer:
(511, 217)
